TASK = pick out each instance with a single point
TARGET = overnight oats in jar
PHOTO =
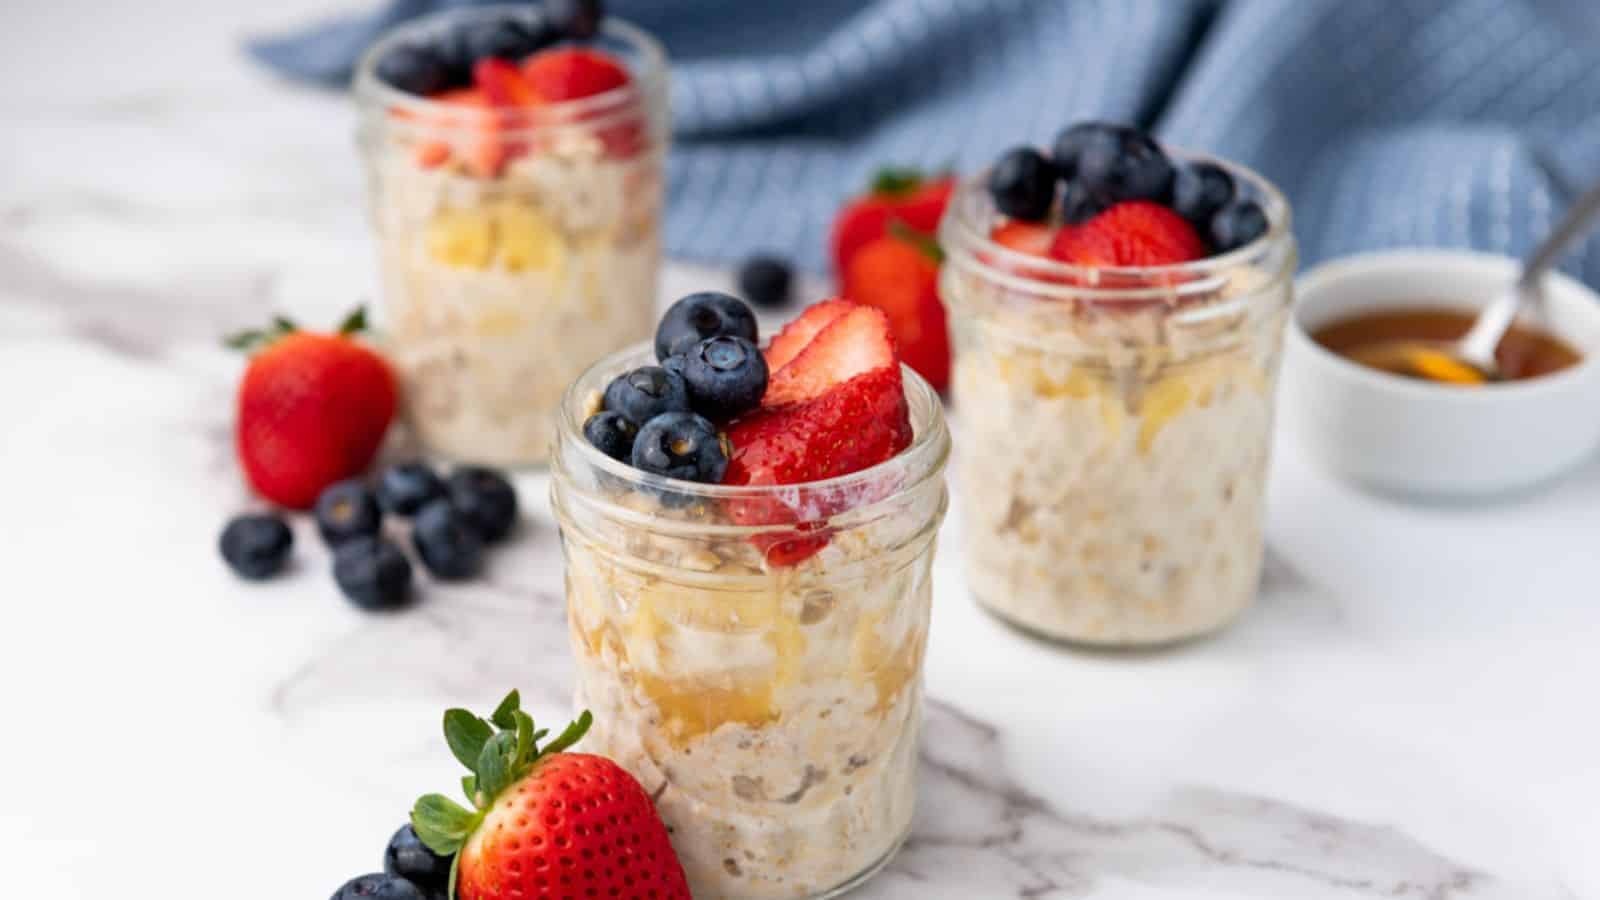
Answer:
(749, 632)
(515, 188)
(1118, 311)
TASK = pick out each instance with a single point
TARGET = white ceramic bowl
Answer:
(1406, 436)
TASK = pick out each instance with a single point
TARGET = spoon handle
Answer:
(1572, 226)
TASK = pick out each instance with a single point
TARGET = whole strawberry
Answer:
(899, 274)
(897, 197)
(545, 823)
(312, 409)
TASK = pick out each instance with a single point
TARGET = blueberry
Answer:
(485, 500)
(379, 886)
(1236, 224)
(699, 316)
(372, 572)
(1115, 163)
(765, 281)
(1199, 190)
(449, 545)
(415, 70)
(726, 376)
(1071, 141)
(409, 858)
(612, 433)
(680, 445)
(575, 19)
(647, 392)
(1023, 184)
(345, 510)
(504, 39)
(406, 487)
(1078, 205)
(256, 546)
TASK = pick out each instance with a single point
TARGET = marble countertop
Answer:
(1410, 711)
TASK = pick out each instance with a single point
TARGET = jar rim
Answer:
(922, 460)
(964, 237)
(648, 72)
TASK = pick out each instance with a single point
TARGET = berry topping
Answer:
(1137, 233)
(415, 70)
(1115, 163)
(501, 82)
(1199, 190)
(575, 19)
(1024, 237)
(312, 409)
(256, 546)
(505, 39)
(726, 376)
(797, 334)
(406, 487)
(896, 195)
(372, 573)
(571, 73)
(699, 316)
(765, 281)
(485, 500)
(1078, 205)
(1237, 224)
(901, 278)
(345, 510)
(539, 814)
(379, 886)
(612, 433)
(856, 342)
(1023, 184)
(448, 544)
(680, 445)
(647, 392)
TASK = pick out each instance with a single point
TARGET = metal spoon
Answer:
(1472, 359)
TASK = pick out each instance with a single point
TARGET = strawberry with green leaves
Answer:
(543, 822)
(902, 197)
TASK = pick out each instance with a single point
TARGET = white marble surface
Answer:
(1410, 711)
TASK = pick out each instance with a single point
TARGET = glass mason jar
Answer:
(516, 244)
(772, 710)
(1115, 427)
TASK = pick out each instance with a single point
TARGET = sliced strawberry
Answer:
(502, 83)
(1025, 237)
(856, 342)
(902, 279)
(797, 334)
(571, 73)
(487, 151)
(1135, 233)
(852, 426)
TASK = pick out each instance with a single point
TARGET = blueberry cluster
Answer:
(452, 520)
(410, 872)
(663, 419)
(1094, 165)
(446, 62)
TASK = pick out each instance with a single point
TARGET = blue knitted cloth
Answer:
(1459, 123)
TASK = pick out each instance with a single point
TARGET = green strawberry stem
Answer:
(254, 339)
(895, 181)
(499, 752)
(918, 239)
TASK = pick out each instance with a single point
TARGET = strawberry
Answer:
(901, 277)
(502, 83)
(487, 151)
(797, 334)
(1031, 238)
(544, 822)
(856, 342)
(1135, 233)
(839, 407)
(896, 195)
(312, 409)
(571, 73)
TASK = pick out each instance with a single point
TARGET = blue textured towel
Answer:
(1462, 123)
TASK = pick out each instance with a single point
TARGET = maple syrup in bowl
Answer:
(1413, 436)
